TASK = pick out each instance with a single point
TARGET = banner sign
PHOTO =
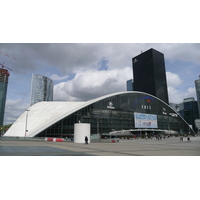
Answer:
(145, 120)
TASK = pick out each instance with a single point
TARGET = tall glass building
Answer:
(4, 74)
(197, 85)
(129, 85)
(189, 111)
(41, 89)
(149, 74)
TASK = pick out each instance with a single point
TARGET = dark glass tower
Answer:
(149, 74)
(4, 74)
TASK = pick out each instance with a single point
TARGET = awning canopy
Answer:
(129, 132)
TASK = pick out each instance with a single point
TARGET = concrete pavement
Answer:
(141, 147)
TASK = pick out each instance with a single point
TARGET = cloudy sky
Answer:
(83, 71)
(83, 68)
(87, 47)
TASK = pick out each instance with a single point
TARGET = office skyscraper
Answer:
(129, 85)
(4, 74)
(41, 89)
(197, 86)
(189, 111)
(149, 74)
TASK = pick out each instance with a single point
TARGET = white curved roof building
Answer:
(114, 111)
(40, 116)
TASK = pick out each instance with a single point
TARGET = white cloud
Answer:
(14, 108)
(173, 80)
(176, 95)
(92, 83)
(55, 77)
(191, 92)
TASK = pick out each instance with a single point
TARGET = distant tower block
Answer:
(197, 86)
(41, 89)
(4, 74)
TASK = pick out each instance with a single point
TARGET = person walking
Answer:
(86, 140)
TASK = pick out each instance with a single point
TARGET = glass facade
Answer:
(189, 111)
(117, 113)
(197, 85)
(4, 74)
(129, 85)
(149, 74)
(41, 89)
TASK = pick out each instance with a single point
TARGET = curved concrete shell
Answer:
(43, 115)
(40, 116)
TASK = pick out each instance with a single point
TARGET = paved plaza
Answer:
(141, 147)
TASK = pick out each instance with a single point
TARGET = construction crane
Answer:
(3, 66)
(8, 56)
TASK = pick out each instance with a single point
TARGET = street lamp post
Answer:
(110, 107)
(26, 122)
(110, 124)
(98, 136)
